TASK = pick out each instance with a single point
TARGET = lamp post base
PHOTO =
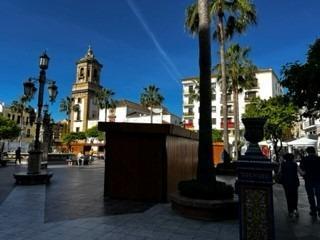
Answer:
(24, 178)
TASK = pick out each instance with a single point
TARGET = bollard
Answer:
(254, 186)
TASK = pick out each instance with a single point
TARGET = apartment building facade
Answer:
(267, 85)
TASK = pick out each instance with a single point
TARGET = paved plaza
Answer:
(72, 207)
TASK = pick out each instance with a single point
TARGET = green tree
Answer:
(104, 100)
(95, 133)
(241, 73)
(151, 98)
(71, 137)
(302, 81)
(19, 107)
(67, 105)
(230, 16)
(8, 129)
(216, 135)
(281, 114)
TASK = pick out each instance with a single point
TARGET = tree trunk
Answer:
(223, 82)
(151, 115)
(205, 125)
(236, 121)
(106, 113)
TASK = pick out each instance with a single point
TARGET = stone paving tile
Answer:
(77, 192)
(28, 213)
(7, 182)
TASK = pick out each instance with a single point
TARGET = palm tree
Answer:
(20, 106)
(205, 125)
(67, 105)
(230, 16)
(241, 72)
(104, 100)
(150, 98)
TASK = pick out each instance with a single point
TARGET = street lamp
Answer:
(29, 90)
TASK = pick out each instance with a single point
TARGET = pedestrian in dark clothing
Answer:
(310, 170)
(18, 155)
(290, 181)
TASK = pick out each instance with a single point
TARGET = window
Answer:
(214, 109)
(95, 73)
(81, 72)
(77, 129)
(213, 89)
(78, 115)
(190, 100)
(88, 72)
(79, 100)
(28, 132)
(229, 109)
(9, 115)
(228, 97)
(190, 89)
(250, 95)
(214, 121)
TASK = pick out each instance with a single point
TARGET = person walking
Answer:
(18, 155)
(290, 182)
(310, 170)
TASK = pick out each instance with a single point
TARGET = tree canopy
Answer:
(73, 137)
(8, 129)
(95, 133)
(302, 81)
(281, 115)
(150, 98)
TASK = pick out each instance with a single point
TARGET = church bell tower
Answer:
(83, 93)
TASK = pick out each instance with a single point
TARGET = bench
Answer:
(74, 161)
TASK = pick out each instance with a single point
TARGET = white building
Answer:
(127, 111)
(267, 86)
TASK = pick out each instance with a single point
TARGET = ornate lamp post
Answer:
(34, 175)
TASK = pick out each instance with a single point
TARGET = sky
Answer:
(139, 43)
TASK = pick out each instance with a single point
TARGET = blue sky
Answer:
(139, 42)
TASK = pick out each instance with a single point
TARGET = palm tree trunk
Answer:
(151, 115)
(236, 121)
(223, 82)
(205, 125)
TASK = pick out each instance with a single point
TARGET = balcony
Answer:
(229, 112)
(230, 124)
(188, 115)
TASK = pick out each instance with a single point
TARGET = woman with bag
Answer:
(290, 181)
